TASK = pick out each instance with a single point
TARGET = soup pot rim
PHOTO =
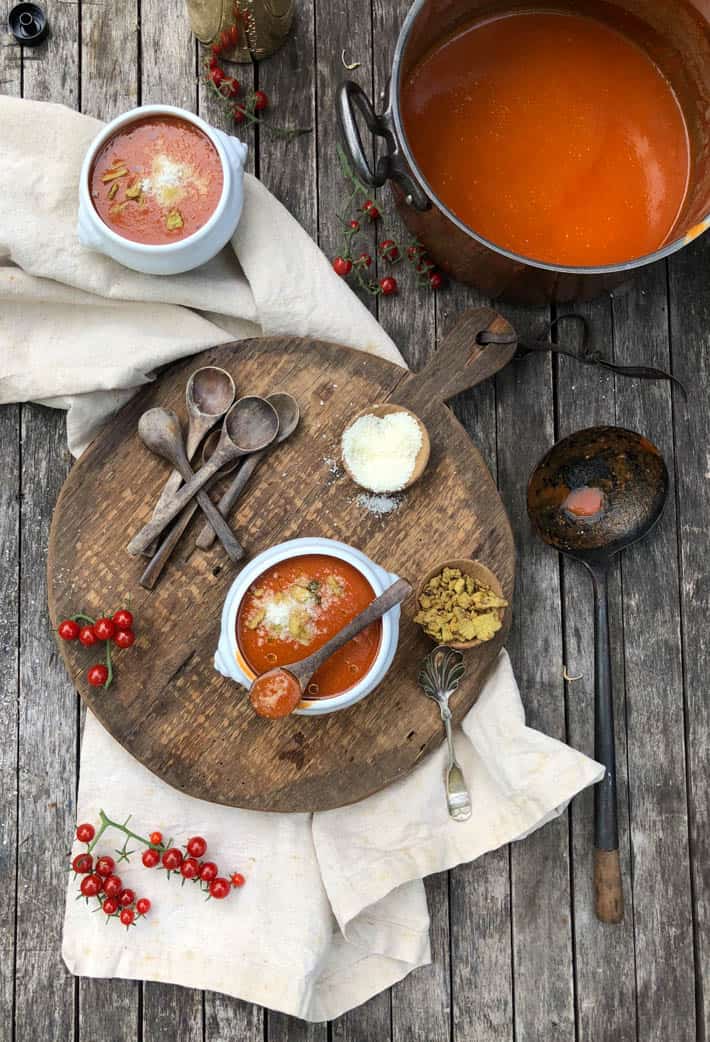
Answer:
(230, 662)
(393, 117)
(132, 116)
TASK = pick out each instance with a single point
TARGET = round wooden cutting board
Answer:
(168, 706)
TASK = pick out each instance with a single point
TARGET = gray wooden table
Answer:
(518, 954)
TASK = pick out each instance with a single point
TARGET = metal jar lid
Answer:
(28, 24)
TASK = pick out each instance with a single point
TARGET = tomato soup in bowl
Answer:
(161, 191)
(156, 180)
(293, 598)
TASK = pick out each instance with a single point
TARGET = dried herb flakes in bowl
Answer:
(456, 608)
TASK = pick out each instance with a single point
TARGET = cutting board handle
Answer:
(461, 361)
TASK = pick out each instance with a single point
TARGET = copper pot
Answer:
(675, 33)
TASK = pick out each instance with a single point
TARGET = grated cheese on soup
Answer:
(380, 452)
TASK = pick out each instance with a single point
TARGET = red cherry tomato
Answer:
(113, 886)
(196, 846)
(123, 619)
(105, 865)
(208, 871)
(365, 259)
(238, 115)
(82, 864)
(124, 638)
(156, 838)
(190, 868)
(217, 75)
(85, 833)
(436, 280)
(126, 897)
(91, 885)
(342, 266)
(389, 250)
(142, 906)
(68, 629)
(388, 285)
(104, 628)
(87, 636)
(229, 87)
(127, 916)
(150, 858)
(97, 675)
(110, 905)
(261, 100)
(219, 888)
(172, 859)
(237, 879)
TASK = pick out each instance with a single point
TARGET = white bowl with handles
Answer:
(229, 660)
(185, 254)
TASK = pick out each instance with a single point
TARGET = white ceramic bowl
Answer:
(185, 254)
(228, 659)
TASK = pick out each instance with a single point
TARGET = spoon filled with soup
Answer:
(318, 616)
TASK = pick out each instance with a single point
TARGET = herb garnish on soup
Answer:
(156, 180)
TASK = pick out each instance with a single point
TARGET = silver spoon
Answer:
(161, 557)
(160, 431)
(209, 393)
(249, 426)
(289, 414)
(439, 677)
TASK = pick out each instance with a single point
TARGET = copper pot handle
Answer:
(388, 166)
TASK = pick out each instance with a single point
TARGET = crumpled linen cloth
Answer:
(333, 910)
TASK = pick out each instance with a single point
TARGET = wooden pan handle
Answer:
(608, 893)
(462, 360)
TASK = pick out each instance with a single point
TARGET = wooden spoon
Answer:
(209, 394)
(160, 431)
(422, 458)
(289, 414)
(277, 692)
(249, 426)
(155, 567)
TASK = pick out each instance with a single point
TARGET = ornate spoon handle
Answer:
(457, 794)
(439, 678)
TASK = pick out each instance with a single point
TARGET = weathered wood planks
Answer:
(604, 986)
(689, 328)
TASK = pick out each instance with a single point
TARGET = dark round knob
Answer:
(28, 24)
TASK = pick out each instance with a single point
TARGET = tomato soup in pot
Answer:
(552, 135)
(156, 180)
(294, 607)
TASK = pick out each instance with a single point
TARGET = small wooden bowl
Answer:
(476, 571)
(422, 456)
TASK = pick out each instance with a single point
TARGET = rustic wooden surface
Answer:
(517, 952)
(170, 708)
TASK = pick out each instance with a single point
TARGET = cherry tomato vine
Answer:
(116, 629)
(227, 88)
(100, 882)
(354, 259)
